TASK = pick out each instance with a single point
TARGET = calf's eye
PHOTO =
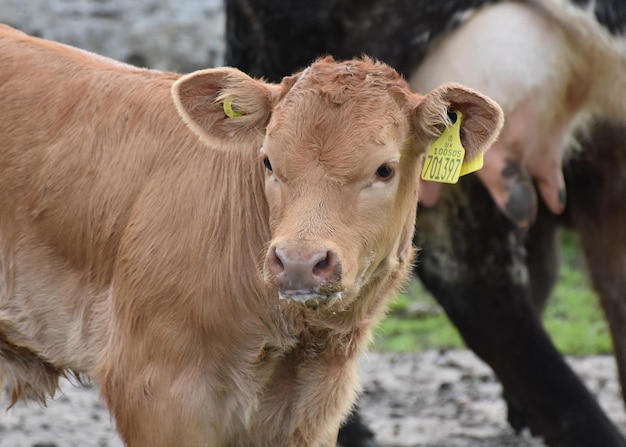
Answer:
(268, 165)
(385, 172)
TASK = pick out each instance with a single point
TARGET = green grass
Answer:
(572, 317)
(415, 322)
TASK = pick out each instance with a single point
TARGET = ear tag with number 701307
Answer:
(445, 158)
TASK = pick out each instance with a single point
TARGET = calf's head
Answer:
(342, 146)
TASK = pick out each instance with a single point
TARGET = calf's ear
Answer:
(482, 118)
(225, 107)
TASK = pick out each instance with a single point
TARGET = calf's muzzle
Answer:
(305, 274)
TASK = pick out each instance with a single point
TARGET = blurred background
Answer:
(164, 34)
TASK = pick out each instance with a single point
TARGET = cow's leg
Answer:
(543, 246)
(596, 205)
(543, 259)
(149, 415)
(158, 403)
(608, 272)
(473, 261)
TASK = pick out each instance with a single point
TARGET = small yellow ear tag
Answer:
(228, 108)
(445, 156)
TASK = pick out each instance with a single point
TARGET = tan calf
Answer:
(218, 274)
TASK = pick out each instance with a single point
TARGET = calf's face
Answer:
(341, 145)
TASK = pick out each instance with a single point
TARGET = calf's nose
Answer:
(303, 271)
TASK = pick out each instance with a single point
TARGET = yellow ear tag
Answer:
(445, 155)
(470, 166)
(228, 108)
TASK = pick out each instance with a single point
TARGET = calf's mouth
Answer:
(320, 297)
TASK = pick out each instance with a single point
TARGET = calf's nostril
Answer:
(327, 266)
(275, 263)
(321, 265)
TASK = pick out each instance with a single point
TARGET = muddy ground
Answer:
(431, 399)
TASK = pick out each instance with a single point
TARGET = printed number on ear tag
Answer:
(445, 159)
(228, 109)
(445, 156)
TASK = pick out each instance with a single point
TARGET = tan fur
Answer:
(134, 225)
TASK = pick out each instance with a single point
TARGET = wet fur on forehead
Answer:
(334, 110)
(338, 82)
